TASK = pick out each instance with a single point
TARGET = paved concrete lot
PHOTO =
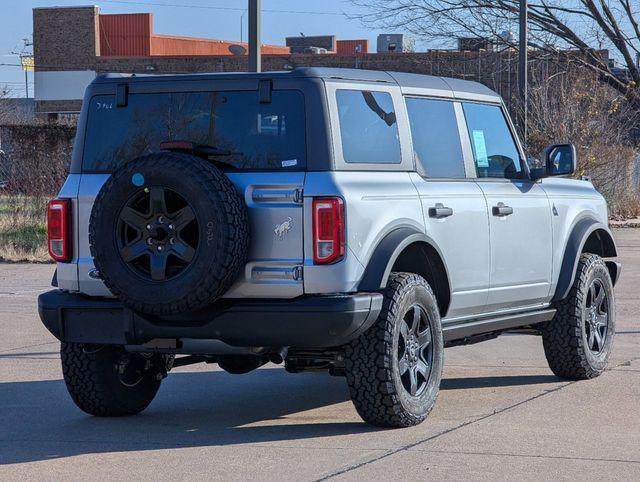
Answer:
(501, 413)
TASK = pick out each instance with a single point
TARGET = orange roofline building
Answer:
(132, 35)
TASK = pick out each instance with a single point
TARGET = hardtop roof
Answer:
(409, 83)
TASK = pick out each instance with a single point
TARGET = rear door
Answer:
(454, 207)
(264, 147)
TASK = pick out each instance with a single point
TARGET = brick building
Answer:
(74, 44)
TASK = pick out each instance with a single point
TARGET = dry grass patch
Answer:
(23, 229)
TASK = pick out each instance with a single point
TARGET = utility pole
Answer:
(255, 57)
(26, 60)
(242, 25)
(523, 79)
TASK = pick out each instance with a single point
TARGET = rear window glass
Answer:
(436, 140)
(368, 127)
(247, 134)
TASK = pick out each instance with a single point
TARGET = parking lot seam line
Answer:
(533, 456)
(532, 367)
(408, 447)
(27, 346)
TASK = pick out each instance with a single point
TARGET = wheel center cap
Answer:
(159, 234)
(413, 349)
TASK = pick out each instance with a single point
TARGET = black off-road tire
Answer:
(95, 385)
(565, 339)
(222, 240)
(372, 360)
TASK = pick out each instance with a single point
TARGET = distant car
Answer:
(341, 220)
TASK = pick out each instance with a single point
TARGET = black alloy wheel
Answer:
(415, 350)
(596, 316)
(157, 233)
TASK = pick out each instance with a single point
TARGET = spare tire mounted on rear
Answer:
(169, 233)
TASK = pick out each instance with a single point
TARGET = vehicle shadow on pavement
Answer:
(192, 409)
(198, 409)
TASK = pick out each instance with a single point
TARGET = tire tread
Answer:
(369, 363)
(562, 337)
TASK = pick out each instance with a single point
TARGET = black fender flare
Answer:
(386, 253)
(575, 244)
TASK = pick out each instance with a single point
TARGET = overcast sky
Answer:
(188, 20)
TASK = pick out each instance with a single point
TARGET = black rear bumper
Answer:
(305, 322)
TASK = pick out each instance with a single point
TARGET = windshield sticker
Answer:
(290, 163)
(481, 149)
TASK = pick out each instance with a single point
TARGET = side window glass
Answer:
(436, 140)
(494, 150)
(368, 127)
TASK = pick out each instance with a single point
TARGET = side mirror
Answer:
(560, 159)
(557, 160)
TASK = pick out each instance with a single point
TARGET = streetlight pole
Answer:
(255, 58)
(523, 52)
(242, 25)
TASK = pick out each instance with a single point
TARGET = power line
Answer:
(210, 7)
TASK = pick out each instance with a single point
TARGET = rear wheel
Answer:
(579, 339)
(105, 380)
(394, 369)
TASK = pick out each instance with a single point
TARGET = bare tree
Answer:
(578, 108)
(584, 26)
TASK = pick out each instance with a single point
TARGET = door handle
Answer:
(502, 210)
(440, 211)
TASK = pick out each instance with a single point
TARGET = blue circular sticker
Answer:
(137, 179)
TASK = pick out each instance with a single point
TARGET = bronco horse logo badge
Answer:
(282, 229)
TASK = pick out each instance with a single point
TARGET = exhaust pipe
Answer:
(278, 356)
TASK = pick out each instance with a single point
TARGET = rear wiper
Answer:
(211, 153)
(198, 149)
(215, 151)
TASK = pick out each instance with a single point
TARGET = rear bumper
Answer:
(306, 322)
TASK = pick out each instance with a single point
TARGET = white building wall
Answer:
(68, 85)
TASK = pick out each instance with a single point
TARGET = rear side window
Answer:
(368, 127)
(247, 134)
(494, 150)
(436, 140)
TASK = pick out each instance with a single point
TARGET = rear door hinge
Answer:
(298, 196)
(298, 273)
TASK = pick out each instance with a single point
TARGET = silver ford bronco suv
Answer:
(343, 220)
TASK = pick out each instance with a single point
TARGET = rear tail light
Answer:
(328, 230)
(59, 237)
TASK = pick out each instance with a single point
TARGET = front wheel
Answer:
(579, 339)
(106, 381)
(394, 369)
